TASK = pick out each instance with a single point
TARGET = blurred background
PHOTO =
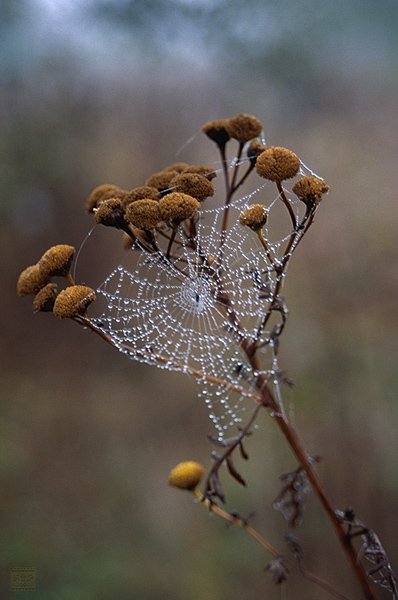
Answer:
(111, 91)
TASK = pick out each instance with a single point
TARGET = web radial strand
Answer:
(180, 311)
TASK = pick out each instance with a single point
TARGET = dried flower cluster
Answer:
(35, 281)
(160, 219)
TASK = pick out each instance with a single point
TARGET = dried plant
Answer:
(202, 296)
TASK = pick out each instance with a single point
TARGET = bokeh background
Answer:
(111, 91)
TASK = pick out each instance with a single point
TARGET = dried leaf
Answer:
(234, 472)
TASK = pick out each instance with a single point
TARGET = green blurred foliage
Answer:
(110, 92)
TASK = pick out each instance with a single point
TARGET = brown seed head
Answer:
(254, 150)
(102, 192)
(244, 128)
(194, 185)
(178, 166)
(310, 189)
(254, 216)
(217, 131)
(31, 280)
(45, 298)
(161, 180)
(110, 213)
(144, 214)
(277, 164)
(57, 260)
(186, 475)
(207, 172)
(73, 301)
(145, 192)
(176, 206)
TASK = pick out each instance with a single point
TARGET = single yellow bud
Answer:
(186, 475)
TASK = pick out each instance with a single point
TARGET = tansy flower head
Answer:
(193, 184)
(254, 150)
(277, 164)
(178, 166)
(45, 298)
(103, 192)
(144, 214)
(207, 172)
(161, 180)
(310, 189)
(186, 475)
(145, 192)
(57, 260)
(176, 206)
(244, 128)
(217, 131)
(73, 301)
(254, 216)
(31, 280)
(110, 213)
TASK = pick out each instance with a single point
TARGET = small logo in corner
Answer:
(22, 579)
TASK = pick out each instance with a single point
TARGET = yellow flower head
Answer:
(31, 280)
(310, 189)
(178, 166)
(145, 192)
(144, 214)
(204, 170)
(186, 475)
(103, 192)
(73, 301)
(57, 260)
(217, 131)
(254, 150)
(277, 164)
(194, 185)
(110, 213)
(176, 207)
(254, 216)
(45, 298)
(244, 128)
(161, 180)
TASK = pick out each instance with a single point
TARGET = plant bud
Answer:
(186, 475)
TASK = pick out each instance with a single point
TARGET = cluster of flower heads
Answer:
(36, 281)
(168, 198)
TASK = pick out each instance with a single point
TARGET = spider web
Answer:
(173, 310)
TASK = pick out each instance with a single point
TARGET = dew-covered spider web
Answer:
(196, 312)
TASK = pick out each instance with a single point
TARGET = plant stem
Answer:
(296, 444)
(236, 520)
